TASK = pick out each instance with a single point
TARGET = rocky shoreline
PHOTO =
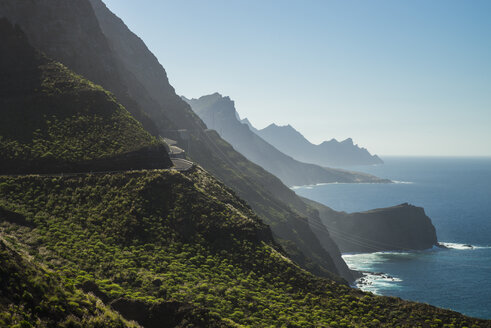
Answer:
(365, 281)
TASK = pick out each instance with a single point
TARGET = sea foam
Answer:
(460, 246)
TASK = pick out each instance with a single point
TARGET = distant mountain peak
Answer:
(213, 105)
(215, 96)
(284, 127)
(208, 100)
(328, 153)
(249, 124)
(347, 141)
(246, 121)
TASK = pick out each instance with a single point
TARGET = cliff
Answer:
(68, 32)
(219, 113)
(398, 228)
(328, 153)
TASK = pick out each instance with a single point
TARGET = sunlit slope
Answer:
(34, 296)
(154, 237)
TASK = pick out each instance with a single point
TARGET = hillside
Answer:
(218, 113)
(116, 58)
(34, 296)
(52, 120)
(328, 153)
(151, 238)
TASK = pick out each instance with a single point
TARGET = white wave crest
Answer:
(461, 246)
(373, 282)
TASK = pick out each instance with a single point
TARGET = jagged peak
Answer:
(328, 142)
(210, 98)
(215, 95)
(246, 121)
(283, 127)
(347, 141)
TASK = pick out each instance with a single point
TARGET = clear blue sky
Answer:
(399, 77)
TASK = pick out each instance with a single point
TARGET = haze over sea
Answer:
(456, 195)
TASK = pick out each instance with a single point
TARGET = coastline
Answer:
(388, 283)
(382, 181)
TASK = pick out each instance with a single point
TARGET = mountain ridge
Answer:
(328, 153)
(218, 112)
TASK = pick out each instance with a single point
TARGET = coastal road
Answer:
(182, 165)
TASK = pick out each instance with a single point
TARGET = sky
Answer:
(400, 77)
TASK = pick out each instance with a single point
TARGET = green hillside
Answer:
(154, 237)
(33, 296)
(52, 119)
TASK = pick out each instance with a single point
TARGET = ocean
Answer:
(456, 195)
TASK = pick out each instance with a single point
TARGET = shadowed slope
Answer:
(397, 228)
(52, 120)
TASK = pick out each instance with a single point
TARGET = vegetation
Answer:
(274, 202)
(33, 296)
(269, 198)
(161, 236)
(50, 114)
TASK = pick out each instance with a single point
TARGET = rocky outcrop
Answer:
(398, 228)
(328, 153)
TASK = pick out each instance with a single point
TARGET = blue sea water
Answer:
(456, 195)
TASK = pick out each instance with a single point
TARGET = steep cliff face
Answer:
(69, 32)
(143, 70)
(328, 153)
(329, 244)
(397, 228)
(219, 113)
